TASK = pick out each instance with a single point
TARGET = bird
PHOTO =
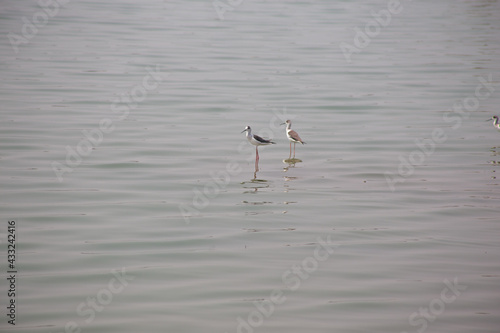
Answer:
(495, 122)
(292, 136)
(256, 141)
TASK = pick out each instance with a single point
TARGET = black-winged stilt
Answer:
(495, 122)
(292, 136)
(256, 141)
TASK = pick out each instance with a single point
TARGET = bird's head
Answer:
(247, 129)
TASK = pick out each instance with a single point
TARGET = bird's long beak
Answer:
(282, 124)
(245, 130)
(488, 119)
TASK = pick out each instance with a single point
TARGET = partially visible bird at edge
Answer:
(495, 122)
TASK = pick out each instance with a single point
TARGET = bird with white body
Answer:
(256, 141)
(292, 136)
(495, 122)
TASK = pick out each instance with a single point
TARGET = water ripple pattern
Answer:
(139, 207)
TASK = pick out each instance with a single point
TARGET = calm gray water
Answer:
(137, 205)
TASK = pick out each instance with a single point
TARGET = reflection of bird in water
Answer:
(256, 141)
(494, 151)
(292, 136)
(495, 122)
(291, 163)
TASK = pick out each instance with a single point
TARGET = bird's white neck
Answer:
(249, 134)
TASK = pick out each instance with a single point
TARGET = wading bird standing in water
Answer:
(292, 136)
(256, 141)
(495, 122)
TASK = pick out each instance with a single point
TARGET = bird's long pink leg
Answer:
(290, 150)
(294, 149)
(256, 158)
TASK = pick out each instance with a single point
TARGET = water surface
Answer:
(123, 165)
